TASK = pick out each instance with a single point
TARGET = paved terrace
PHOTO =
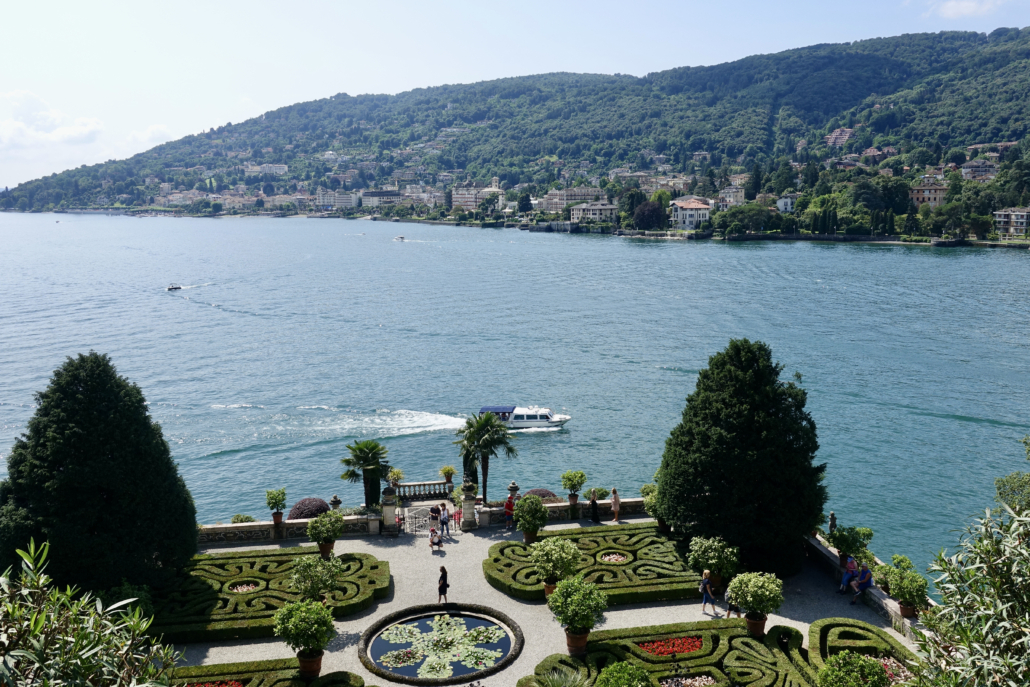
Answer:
(808, 597)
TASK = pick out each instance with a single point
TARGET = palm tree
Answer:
(366, 463)
(478, 441)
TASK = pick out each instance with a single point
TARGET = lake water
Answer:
(294, 337)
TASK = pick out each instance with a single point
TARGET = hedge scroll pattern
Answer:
(202, 605)
(277, 673)
(729, 655)
(655, 567)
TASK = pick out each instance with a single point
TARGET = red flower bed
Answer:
(668, 647)
(220, 683)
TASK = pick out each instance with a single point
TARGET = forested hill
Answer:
(948, 89)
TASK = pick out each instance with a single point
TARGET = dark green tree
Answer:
(739, 465)
(650, 216)
(525, 203)
(478, 441)
(94, 477)
(630, 200)
(367, 464)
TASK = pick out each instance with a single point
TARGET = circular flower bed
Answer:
(613, 558)
(668, 647)
(440, 644)
(243, 588)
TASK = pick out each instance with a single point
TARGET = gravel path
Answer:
(808, 597)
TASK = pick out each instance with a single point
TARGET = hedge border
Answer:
(247, 626)
(660, 591)
(815, 638)
(426, 609)
(279, 672)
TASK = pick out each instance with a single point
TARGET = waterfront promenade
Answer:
(808, 597)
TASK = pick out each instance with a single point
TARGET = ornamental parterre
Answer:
(668, 647)
(449, 641)
(647, 565)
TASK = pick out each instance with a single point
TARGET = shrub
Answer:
(573, 480)
(308, 508)
(577, 605)
(448, 472)
(648, 489)
(555, 559)
(395, 475)
(314, 576)
(714, 555)
(530, 514)
(305, 626)
(93, 475)
(561, 677)
(240, 518)
(124, 592)
(740, 463)
(888, 574)
(848, 669)
(909, 588)
(602, 493)
(623, 674)
(326, 528)
(276, 499)
(853, 541)
(759, 593)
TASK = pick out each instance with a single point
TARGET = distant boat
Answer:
(533, 417)
(398, 238)
(174, 287)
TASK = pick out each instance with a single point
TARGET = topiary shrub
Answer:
(714, 555)
(573, 480)
(241, 518)
(327, 527)
(622, 674)
(758, 593)
(308, 508)
(555, 559)
(848, 669)
(314, 576)
(530, 514)
(578, 605)
(305, 626)
(542, 493)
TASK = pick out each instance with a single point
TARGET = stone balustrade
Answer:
(558, 512)
(247, 532)
(424, 491)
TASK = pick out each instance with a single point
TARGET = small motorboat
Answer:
(532, 417)
(398, 238)
(174, 287)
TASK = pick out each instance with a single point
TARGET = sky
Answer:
(82, 83)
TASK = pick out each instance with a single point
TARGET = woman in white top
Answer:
(615, 504)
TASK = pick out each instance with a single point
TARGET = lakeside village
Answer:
(905, 193)
(726, 571)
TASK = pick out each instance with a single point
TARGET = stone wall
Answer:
(558, 512)
(247, 532)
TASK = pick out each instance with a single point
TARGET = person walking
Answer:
(442, 586)
(706, 591)
(445, 520)
(595, 514)
(616, 502)
(730, 606)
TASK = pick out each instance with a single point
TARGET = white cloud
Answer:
(151, 136)
(28, 121)
(957, 9)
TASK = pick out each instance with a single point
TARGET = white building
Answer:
(1011, 223)
(557, 199)
(325, 198)
(733, 194)
(786, 202)
(256, 170)
(374, 199)
(688, 214)
(598, 212)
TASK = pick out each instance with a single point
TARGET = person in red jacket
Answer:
(509, 513)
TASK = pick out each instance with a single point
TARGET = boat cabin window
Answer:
(520, 417)
(531, 417)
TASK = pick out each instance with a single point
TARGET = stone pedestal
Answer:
(468, 508)
(390, 528)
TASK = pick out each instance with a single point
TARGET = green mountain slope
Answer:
(949, 89)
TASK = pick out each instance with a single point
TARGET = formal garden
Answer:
(87, 598)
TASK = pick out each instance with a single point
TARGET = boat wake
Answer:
(530, 430)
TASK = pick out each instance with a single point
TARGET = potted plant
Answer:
(395, 476)
(306, 627)
(909, 588)
(759, 594)
(276, 500)
(573, 481)
(448, 472)
(715, 556)
(530, 517)
(555, 559)
(325, 530)
(578, 605)
(851, 541)
(314, 577)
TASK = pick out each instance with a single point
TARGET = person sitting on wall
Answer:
(435, 539)
(861, 583)
(850, 573)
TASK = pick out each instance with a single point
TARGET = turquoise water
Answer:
(293, 337)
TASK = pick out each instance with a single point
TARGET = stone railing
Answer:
(424, 491)
(249, 532)
(557, 512)
(826, 557)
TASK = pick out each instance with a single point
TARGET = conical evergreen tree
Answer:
(94, 476)
(739, 465)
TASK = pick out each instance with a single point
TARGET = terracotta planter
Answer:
(277, 518)
(577, 644)
(907, 611)
(549, 589)
(755, 627)
(325, 548)
(573, 499)
(529, 537)
(310, 667)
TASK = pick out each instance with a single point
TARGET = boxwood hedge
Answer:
(277, 673)
(202, 606)
(655, 567)
(728, 654)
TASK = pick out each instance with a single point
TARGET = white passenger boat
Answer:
(516, 417)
